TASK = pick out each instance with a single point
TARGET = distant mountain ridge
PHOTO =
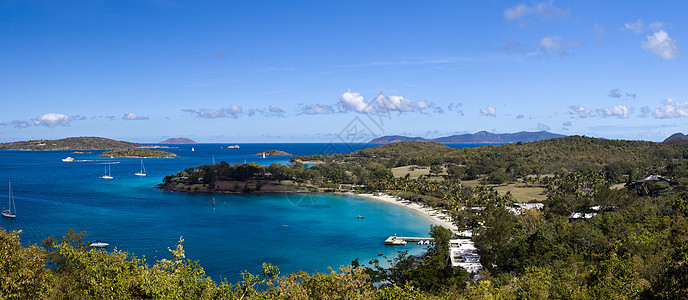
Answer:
(178, 141)
(478, 137)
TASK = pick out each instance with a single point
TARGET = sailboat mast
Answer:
(11, 206)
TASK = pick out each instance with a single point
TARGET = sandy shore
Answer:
(435, 216)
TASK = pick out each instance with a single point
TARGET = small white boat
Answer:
(107, 174)
(143, 170)
(192, 149)
(11, 211)
(263, 154)
(68, 159)
(98, 244)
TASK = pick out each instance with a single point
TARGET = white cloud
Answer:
(455, 107)
(656, 26)
(545, 11)
(644, 112)
(661, 45)
(554, 43)
(638, 26)
(17, 124)
(234, 111)
(543, 127)
(211, 113)
(671, 110)
(489, 111)
(399, 103)
(52, 120)
(518, 11)
(599, 29)
(619, 111)
(274, 111)
(315, 109)
(20, 124)
(580, 111)
(133, 116)
(614, 93)
(353, 101)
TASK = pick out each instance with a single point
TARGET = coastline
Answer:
(435, 216)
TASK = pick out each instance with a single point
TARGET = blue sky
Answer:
(334, 71)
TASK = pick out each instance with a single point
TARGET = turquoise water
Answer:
(238, 233)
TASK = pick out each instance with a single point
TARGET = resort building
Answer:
(463, 253)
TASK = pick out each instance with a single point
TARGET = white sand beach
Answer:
(435, 216)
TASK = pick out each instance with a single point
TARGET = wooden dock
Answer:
(402, 240)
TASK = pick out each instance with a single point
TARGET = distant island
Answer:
(273, 153)
(71, 144)
(178, 141)
(478, 137)
(138, 153)
(676, 138)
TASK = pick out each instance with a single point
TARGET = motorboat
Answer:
(98, 244)
(68, 159)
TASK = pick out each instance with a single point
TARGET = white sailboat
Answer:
(11, 211)
(107, 175)
(192, 149)
(263, 154)
(143, 170)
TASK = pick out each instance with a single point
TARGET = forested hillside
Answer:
(72, 143)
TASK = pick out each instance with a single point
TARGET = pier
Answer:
(402, 240)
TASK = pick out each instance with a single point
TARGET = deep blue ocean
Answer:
(238, 233)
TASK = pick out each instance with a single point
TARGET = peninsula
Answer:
(273, 153)
(70, 144)
(143, 153)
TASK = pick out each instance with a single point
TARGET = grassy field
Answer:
(413, 170)
(519, 191)
(522, 193)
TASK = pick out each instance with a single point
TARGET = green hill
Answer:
(72, 143)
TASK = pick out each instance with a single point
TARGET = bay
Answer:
(238, 233)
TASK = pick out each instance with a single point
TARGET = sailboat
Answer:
(107, 175)
(143, 170)
(9, 213)
(263, 154)
(192, 149)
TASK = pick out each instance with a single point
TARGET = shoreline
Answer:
(435, 216)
